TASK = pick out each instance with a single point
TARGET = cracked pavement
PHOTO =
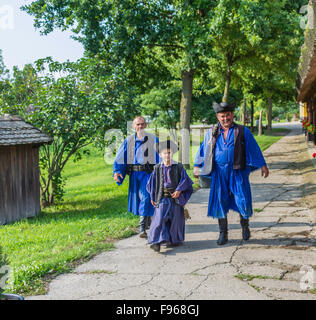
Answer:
(278, 262)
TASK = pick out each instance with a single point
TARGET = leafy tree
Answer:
(3, 69)
(250, 38)
(19, 89)
(3, 79)
(132, 32)
(162, 105)
(75, 103)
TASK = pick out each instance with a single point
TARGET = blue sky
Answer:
(21, 43)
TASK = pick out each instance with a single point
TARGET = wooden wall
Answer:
(19, 183)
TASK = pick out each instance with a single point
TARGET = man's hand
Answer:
(176, 194)
(117, 177)
(264, 172)
(153, 203)
(196, 172)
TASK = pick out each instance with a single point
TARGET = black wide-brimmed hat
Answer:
(168, 144)
(223, 107)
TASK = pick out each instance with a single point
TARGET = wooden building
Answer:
(306, 80)
(19, 169)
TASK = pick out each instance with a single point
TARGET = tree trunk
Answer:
(269, 116)
(251, 116)
(185, 117)
(243, 115)
(260, 124)
(227, 86)
(229, 60)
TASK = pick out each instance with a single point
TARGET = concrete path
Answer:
(278, 262)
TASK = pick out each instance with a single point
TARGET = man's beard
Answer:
(226, 123)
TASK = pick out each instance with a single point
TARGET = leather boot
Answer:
(142, 227)
(155, 247)
(148, 223)
(223, 231)
(245, 228)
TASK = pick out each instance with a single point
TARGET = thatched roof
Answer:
(306, 80)
(14, 131)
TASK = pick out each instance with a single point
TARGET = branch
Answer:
(165, 45)
(248, 55)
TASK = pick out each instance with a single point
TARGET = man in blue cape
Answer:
(228, 154)
(136, 157)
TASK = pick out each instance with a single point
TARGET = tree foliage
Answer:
(162, 105)
(75, 103)
(131, 32)
(252, 39)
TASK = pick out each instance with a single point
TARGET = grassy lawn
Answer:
(93, 215)
(269, 137)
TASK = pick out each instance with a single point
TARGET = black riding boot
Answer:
(142, 227)
(148, 223)
(245, 228)
(223, 232)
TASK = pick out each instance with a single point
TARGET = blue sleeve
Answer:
(185, 186)
(254, 156)
(199, 158)
(119, 165)
(151, 185)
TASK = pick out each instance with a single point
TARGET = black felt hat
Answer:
(168, 144)
(223, 107)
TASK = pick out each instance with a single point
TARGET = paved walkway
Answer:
(273, 264)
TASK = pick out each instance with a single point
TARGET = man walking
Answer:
(136, 157)
(229, 153)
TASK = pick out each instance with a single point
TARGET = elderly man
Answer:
(229, 153)
(137, 157)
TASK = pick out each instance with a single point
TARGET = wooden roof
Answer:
(15, 131)
(306, 79)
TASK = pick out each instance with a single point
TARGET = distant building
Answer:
(306, 80)
(19, 169)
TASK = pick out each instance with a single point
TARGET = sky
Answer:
(21, 43)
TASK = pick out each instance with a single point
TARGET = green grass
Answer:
(269, 137)
(93, 214)
(250, 277)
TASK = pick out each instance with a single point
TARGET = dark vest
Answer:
(239, 146)
(175, 175)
